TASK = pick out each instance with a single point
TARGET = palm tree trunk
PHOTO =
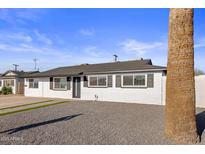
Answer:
(180, 90)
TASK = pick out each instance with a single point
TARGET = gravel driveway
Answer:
(86, 122)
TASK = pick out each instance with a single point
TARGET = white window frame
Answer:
(33, 83)
(5, 81)
(97, 86)
(134, 86)
(54, 88)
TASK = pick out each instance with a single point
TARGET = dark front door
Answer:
(76, 87)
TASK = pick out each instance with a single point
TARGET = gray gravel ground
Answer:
(86, 122)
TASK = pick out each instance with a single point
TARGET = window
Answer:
(102, 81)
(60, 83)
(0, 83)
(139, 80)
(98, 81)
(128, 80)
(33, 83)
(9, 83)
(134, 80)
(93, 81)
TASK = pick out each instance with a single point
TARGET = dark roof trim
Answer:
(127, 71)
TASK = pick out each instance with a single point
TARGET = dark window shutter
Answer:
(109, 80)
(68, 83)
(150, 80)
(51, 83)
(118, 80)
(85, 81)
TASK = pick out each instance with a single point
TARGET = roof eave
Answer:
(99, 72)
(127, 71)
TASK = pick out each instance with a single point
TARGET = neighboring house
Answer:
(14, 80)
(137, 81)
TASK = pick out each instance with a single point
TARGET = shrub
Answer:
(6, 90)
(0, 92)
(9, 90)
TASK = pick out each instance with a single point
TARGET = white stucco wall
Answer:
(156, 95)
(36, 92)
(44, 90)
(131, 95)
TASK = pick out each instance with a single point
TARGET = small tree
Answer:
(199, 72)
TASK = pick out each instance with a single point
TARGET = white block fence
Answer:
(200, 90)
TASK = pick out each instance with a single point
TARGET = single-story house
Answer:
(13, 79)
(136, 81)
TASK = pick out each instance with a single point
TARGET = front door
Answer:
(76, 87)
(20, 86)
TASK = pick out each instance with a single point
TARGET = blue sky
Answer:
(61, 37)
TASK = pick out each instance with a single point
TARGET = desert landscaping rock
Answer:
(86, 122)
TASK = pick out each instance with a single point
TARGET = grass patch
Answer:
(25, 104)
(33, 108)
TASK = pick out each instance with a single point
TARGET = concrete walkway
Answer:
(14, 100)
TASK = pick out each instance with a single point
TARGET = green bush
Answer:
(6, 90)
(9, 90)
(0, 92)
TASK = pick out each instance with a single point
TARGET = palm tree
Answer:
(180, 90)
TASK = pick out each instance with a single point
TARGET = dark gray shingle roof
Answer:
(134, 65)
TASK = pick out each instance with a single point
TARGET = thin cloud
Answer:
(26, 49)
(30, 14)
(42, 38)
(14, 16)
(140, 48)
(93, 51)
(33, 44)
(15, 37)
(87, 32)
(200, 43)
